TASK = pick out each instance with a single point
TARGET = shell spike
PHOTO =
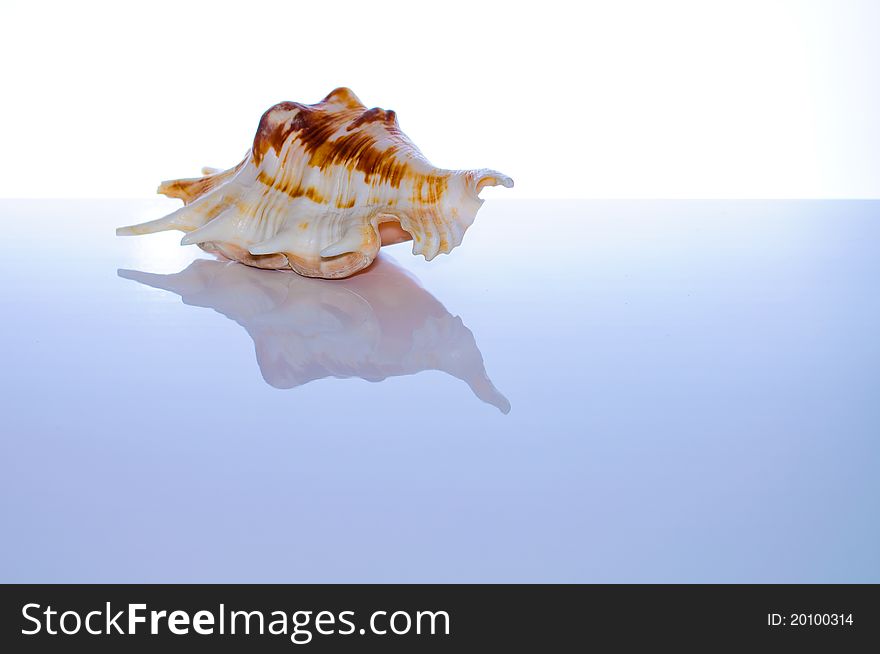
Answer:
(484, 389)
(189, 190)
(215, 229)
(281, 242)
(344, 97)
(170, 221)
(351, 242)
(480, 179)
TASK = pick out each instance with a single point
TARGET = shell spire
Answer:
(323, 187)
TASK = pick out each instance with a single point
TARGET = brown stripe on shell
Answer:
(373, 115)
(271, 132)
(428, 189)
(313, 126)
(309, 192)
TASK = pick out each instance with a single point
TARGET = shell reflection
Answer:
(373, 326)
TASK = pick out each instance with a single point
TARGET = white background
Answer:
(594, 99)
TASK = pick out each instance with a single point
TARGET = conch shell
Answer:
(324, 186)
(371, 326)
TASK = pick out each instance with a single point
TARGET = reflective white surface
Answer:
(692, 395)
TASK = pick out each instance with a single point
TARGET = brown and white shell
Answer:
(322, 189)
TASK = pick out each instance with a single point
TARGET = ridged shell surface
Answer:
(322, 189)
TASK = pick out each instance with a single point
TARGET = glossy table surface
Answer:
(583, 391)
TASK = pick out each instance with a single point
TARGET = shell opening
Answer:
(390, 232)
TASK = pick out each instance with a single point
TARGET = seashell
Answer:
(323, 187)
(372, 326)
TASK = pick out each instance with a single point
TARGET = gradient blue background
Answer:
(693, 389)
